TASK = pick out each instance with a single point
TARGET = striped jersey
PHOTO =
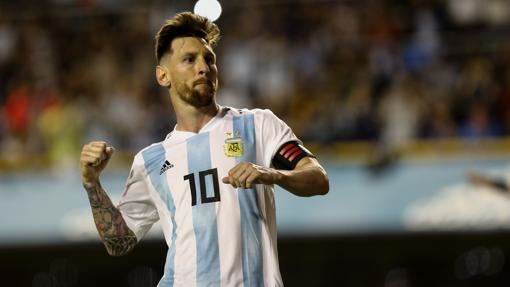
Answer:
(217, 235)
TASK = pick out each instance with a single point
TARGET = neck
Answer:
(193, 119)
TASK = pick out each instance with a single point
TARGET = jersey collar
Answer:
(175, 134)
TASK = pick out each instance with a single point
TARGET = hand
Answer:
(94, 158)
(245, 174)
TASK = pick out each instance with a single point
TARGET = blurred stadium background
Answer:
(398, 98)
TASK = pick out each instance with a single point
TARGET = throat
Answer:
(195, 122)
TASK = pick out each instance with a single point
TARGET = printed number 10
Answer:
(203, 191)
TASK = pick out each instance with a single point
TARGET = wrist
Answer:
(90, 182)
(278, 176)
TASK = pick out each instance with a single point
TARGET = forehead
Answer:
(184, 45)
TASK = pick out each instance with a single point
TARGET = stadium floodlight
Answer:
(208, 8)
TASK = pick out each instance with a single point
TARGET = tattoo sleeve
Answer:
(115, 234)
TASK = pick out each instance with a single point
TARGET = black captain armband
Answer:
(289, 154)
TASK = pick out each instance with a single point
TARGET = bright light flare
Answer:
(208, 8)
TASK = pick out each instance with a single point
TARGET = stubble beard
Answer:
(198, 99)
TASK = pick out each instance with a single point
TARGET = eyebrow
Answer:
(194, 54)
(189, 54)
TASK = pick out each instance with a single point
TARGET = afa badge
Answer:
(233, 146)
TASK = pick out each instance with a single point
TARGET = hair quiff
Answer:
(185, 24)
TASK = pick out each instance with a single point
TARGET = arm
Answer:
(308, 178)
(116, 236)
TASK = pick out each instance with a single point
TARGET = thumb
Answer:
(109, 151)
(225, 180)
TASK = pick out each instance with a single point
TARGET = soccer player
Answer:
(210, 181)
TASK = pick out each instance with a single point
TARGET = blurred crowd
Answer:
(383, 71)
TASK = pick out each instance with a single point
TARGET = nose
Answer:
(202, 66)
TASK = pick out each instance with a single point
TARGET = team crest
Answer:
(233, 146)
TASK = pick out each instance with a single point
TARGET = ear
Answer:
(163, 76)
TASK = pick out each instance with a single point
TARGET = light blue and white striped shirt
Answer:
(217, 235)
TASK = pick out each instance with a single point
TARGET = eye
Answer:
(188, 59)
(210, 59)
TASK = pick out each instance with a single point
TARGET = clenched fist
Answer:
(245, 174)
(94, 158)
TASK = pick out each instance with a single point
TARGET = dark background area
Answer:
(369, 82)
(414, 260)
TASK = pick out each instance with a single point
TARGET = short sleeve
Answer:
(136, 205)
(274, 133)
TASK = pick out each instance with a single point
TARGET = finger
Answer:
(98, 143)
(232, 181)
(101, 151)
(231, 177)
(93, 147)
(88, 160)
(97, 162)
(240, 176)
(98, 155)
(244, 176)
(228, 179)
(239, 171)
(92, 152)
(234, 169)
(252, 179)
(95, 151)
(110, 150)
(101, 147)
(237, 182)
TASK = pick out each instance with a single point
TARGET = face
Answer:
(192, 71)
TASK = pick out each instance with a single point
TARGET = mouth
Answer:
(203, 82)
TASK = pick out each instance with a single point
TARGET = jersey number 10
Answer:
(213, 173)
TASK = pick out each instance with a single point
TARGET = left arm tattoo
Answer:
(115, 234)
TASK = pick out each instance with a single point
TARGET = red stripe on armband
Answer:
(290, 152)
(286, 148)
(288, 155)
(295, 154)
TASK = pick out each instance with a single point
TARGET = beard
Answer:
(197, 98)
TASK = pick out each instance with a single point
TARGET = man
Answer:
(210, 182)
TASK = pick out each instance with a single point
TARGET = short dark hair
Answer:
(185, 24)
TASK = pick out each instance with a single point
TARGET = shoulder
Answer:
(265, 120)
(149, 154)
(259, 114)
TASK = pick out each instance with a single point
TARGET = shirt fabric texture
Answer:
(217, 235)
